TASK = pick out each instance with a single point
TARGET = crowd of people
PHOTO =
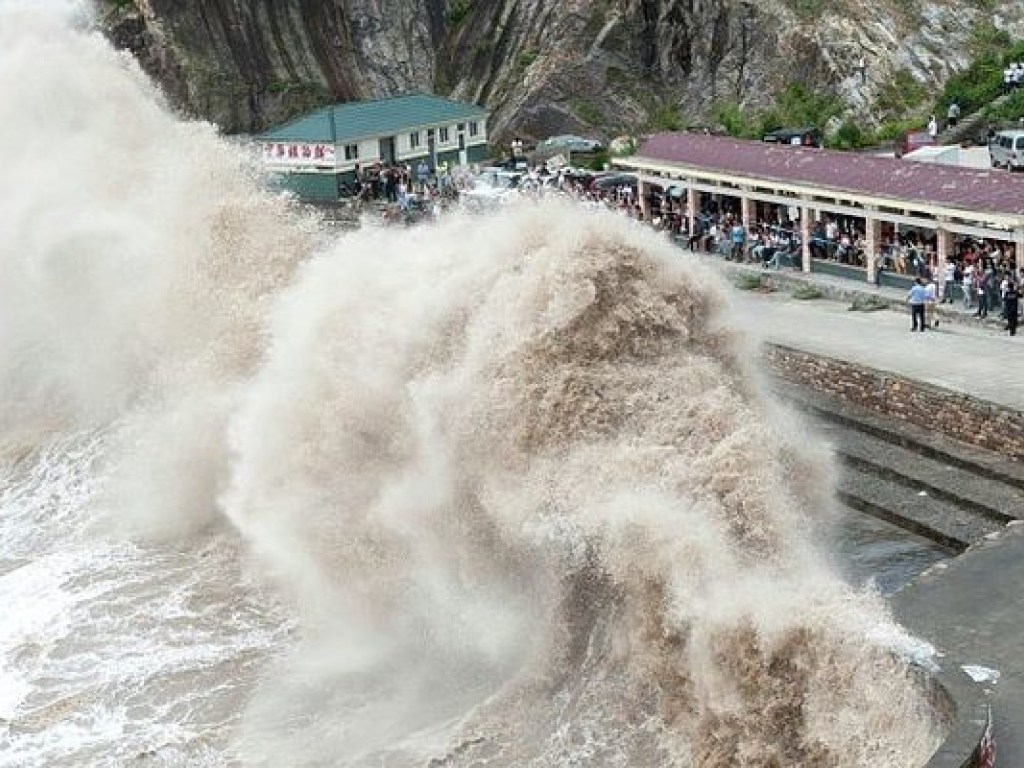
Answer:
(924, 295)
(987, 275)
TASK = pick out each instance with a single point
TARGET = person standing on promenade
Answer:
(981, 289)
(968, 283)
(1011, 304)
(916, 298)
(930, 299)
(948, 281)
(738, 238)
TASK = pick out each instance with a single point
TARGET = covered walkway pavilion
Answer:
(947, 200)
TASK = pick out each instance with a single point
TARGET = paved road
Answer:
(982, 362)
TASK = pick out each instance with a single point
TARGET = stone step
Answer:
(930, 444)
(916, 511)
(978, 494)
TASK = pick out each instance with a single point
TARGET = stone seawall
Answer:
(960, 416)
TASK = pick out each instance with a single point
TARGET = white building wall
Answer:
(453, 139)
(404, 148)
(481, 133)
(369, 151)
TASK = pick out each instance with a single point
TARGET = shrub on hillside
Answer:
(982, 81)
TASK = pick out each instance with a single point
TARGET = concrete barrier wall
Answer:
(963, 417)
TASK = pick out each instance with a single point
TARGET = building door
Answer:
(432, 147)
(387, 150)
(463, 157)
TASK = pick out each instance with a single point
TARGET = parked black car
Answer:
(613, 181)
(803, 137)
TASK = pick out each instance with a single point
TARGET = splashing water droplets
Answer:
(503, 490)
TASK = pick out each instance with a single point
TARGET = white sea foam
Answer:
(514, 478)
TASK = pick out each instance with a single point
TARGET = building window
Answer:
(474, 128)
(414, 140)
(444, 135)
(351, 151)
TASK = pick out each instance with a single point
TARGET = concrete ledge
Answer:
(970, 607)
(960, 416)
(971, 722)
(926, 441)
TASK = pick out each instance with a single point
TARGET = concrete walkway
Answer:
(982, 362)
(972, 608)
(963, 354)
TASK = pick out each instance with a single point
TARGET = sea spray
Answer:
(137, 254)
(515, 475)
(520, 476)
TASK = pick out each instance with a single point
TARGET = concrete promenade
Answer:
(972, 608)
(973, 359)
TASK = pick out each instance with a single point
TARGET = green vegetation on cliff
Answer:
(982, 82)
(796, 107)
(900, 105)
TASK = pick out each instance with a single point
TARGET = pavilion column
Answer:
(873, 236)
(644, 190)
(691, 209)
(943, 246)
(805, 237)
(747, 215)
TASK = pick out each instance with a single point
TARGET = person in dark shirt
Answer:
(1011, 305)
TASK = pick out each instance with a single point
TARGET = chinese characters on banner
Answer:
(279, 153)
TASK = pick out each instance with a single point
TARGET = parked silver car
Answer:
(572, 143)
(1006, 150)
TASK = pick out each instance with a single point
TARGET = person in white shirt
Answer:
(968, 284)
(948, 281)
(930, 320)
(933, 127)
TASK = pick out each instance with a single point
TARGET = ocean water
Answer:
(504, 490)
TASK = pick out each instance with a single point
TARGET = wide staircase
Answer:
(938, 488)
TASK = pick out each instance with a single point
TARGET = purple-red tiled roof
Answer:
(903, 181)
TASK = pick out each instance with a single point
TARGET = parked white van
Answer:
(1006, 150)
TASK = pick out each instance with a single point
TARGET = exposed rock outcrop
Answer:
(542, 66)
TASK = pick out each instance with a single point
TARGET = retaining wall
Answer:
(960, 416)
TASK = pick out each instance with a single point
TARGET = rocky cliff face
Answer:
(542, 66)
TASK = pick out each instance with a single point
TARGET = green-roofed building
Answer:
(318, 153)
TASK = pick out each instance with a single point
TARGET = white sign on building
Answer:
(293, 154)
